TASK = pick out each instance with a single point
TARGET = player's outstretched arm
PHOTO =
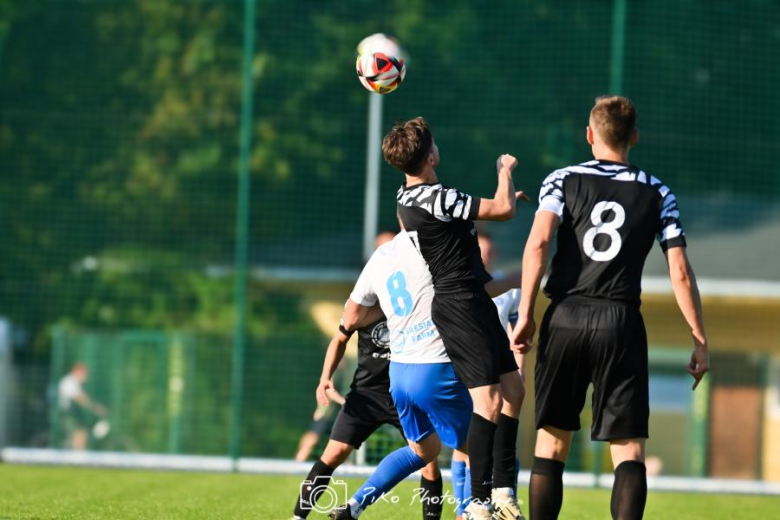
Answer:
(326, 389)
(534, 264)
(686, 292)
(502, 206)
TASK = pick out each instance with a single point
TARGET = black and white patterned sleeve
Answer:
(551, 194)
(670, 230)
(454, 204)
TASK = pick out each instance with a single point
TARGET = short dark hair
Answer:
(407, 145)
(614, 119)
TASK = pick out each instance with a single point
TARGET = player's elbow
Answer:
(536, 245)
(505, 212)
(680, 273)
(510, 212)
(497, 210)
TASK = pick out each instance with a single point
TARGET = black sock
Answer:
(545, 492)
(311, 492)
(481, 438)
(431, 498)
(629, 492)
(505, 452)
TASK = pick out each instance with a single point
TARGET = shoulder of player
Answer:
(390, 253)
(657, 184)
(641, 177)
(553, 183)
(417, 194)
(378, 260)
(588, 167)
(614, 171)
(558, 176)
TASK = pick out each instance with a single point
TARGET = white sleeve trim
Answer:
(551, 204)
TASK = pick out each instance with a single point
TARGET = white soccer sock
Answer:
(354, 508)
(505, 491)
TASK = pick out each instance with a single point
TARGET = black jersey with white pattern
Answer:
(610, 213)
(440, 221)
(372, 374)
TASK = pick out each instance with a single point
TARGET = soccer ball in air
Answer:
(380, 64)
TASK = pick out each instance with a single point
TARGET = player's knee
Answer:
(513, 395)
(553, 444)
(512, 388)
(627, 449)
(336, 453)
(427, 449)
(487, 401)
(552, 450)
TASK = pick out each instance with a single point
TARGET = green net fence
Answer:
(119, 144)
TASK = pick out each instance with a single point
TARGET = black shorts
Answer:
(473, 337)
(361, 415)
(585, 341)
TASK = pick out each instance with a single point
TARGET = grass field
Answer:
(43, 493)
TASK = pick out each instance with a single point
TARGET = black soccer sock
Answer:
(480, 441)
(311, 493)
(545, 492)
(505, 452)
(629, 492)
(431, 498)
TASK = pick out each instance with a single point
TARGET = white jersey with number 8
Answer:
(396, 275)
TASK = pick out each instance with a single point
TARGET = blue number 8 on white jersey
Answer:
(397, 277)
(399, 296)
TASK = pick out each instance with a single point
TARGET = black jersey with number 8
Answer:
(610, 214)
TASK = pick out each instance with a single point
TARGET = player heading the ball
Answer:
(440, 221)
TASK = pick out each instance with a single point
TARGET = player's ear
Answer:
(431, 160)
(589, 135)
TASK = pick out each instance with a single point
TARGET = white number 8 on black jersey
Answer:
(610, 213)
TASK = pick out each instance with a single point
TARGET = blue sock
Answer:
(466, 492)
(458, 480)
(392, 470)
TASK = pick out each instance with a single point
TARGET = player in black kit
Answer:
(440, 221)
(367, 406)
(606, 213)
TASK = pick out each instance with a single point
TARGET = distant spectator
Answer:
(76, 407)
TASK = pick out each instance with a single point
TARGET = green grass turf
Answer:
(43, 493)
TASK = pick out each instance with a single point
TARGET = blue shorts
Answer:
(430, 398)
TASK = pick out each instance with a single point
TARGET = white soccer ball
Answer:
(101, 429)
(381, 64)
